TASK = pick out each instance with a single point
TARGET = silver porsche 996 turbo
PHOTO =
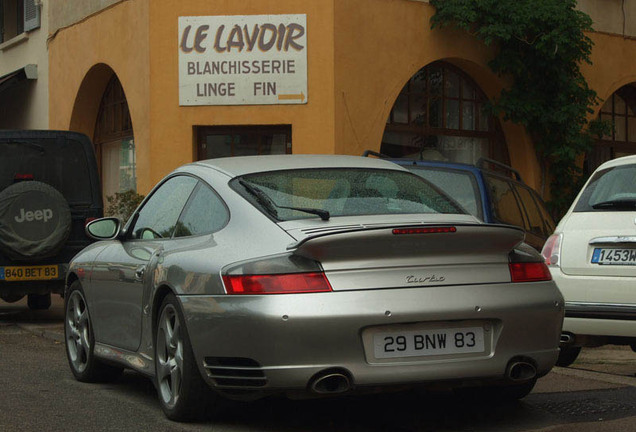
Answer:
(307, 275)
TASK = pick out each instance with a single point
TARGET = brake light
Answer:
(428, 230)
(551, 251)
(529, 272)
(293, 283)
(21, 177)
(88, 220)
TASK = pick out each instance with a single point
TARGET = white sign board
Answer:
(243, 60)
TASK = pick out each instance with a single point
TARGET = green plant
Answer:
(122, 204)
(539, 47)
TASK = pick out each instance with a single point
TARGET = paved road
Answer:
(38, 393)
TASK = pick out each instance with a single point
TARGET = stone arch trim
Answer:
(610, 89)
(89, 97)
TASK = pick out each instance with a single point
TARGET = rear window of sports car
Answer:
(329, 192)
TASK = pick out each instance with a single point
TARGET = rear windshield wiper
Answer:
(615, 204)
(271, 206)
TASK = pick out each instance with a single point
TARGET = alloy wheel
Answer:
(77, 331)
(169, 356)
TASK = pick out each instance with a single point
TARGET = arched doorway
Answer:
(439, 115)
(114, 141)
(620, 110)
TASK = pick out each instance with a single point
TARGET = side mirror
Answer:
(104, 229)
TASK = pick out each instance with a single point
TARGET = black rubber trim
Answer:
(617, 312)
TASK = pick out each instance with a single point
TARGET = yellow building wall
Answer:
(613, 65)
(81, 57)
(171, 133)
(360, 55)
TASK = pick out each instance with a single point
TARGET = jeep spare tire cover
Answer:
(35, 220)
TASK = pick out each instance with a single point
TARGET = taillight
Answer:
(294, 283)
(281, 274)
(22, 177)
(529, 272)
(425, 230)
(551, 251)
(89, 219)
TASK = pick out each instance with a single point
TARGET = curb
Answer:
(597, 376)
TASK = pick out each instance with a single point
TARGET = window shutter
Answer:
(31, 15)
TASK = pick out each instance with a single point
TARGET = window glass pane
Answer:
(483, 119)
(204, 214)
(619, 105)
(612, 184)
(607, 106)
(468, 115)
(462, 186)
(345, 192)
(610, 133)
(418, 109)
(227, 141)
(435, 81)
(118, 166)
(246, 144)
(451, 84)
(401, 109)
(158, 217)
(127, 171)
(401, 144)
(452, 114)
(274, 144)
(468, 91)
(435, 113)
(418, 83)
(218, 146)
(462, 149)
(620, 129)
(631, 131)
(532, 211)
(504, 203)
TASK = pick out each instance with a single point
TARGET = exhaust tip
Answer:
(330, 383)
(566, 339)
(520, 370)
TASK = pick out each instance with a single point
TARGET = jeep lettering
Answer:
(29, 216)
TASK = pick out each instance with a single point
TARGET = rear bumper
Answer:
(279, 342)
(598, 306)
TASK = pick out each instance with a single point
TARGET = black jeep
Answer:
(49, 190)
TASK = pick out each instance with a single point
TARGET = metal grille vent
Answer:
(235, 372)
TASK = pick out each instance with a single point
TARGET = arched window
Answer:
(620, 110)
(439, 115)
(114, 141)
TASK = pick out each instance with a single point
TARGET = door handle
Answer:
(139, 273)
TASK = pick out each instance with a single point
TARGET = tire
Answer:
(567, 356)
(12, 297)
(80, 341)
(35, 221)
(39, 301)
(183, 394)
(502, 393)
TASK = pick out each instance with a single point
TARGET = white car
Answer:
(592, 258)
